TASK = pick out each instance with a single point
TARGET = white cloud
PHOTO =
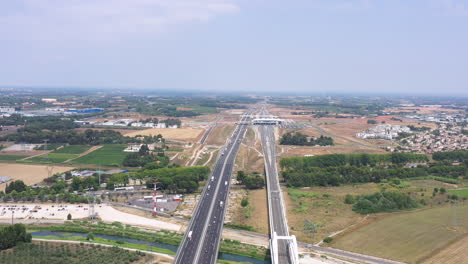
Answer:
(105, 18)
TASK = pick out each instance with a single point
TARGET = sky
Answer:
(292, 46)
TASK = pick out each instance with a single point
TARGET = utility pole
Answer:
(155, 193)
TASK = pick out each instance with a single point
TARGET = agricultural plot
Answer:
(29, 174)
(50, 146)
(50, 158)
(73, 149)
(409, 237)
(199, 109)
(183, 134)
(11, 157)
(461, 193)
(110, 155)
(46, 252)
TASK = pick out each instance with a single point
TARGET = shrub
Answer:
(69, 217)
(349, 199)
(245, 202)
(328, 239)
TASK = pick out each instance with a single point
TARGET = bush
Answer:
(349, 199)
(245, 202)
(69, 217)
(328, 239)
(90, 237)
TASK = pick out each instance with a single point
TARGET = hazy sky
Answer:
(237, 45)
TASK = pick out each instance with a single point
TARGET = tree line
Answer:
(358, 160)
(337, 175)
(383, 202)
(251, 181)
(300, 139)
(89, 137)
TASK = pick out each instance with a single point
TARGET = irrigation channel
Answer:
(223, 256)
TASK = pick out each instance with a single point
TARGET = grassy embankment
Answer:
(162, 236)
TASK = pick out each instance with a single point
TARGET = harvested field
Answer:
(122, 131)
(455, 253)
(408, 236)
(421, 110)
(30, 174)
(184, 134)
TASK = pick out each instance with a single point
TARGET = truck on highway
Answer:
(221, 204)
(190, 235)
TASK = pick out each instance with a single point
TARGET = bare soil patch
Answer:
(29, 174)
(183, 134)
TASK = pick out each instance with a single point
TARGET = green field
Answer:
(408, 236)
(73, 149)
(201, 109)
(110, 155)
(51, 158)
(11, 157)
(461, 193)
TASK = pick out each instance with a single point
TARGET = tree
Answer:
(69, 217)
(241, 176)
(349, 199)
(245, 202)
(17, 186)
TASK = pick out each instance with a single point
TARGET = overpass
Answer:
(266, 121)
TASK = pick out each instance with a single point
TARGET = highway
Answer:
(277, 215)
(201, 241)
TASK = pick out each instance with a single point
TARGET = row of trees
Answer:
(300, 139)
(358, 160)
(456, 155)
(89, 137)
(178, 179)
(12, 235)
(383, 202)
(334, 176)
(252, 181)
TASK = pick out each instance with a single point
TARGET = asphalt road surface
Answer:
(277, 215)
(201, 241)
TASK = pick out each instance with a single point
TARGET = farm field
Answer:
(199, 109)
(11, 157)
(453, 254)
(462, 193)
(49, 252)
(72, 149)
(408, 236)
(50, 146)
(30, 174)
(50, 158)
(110, 155)
(183, 134)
